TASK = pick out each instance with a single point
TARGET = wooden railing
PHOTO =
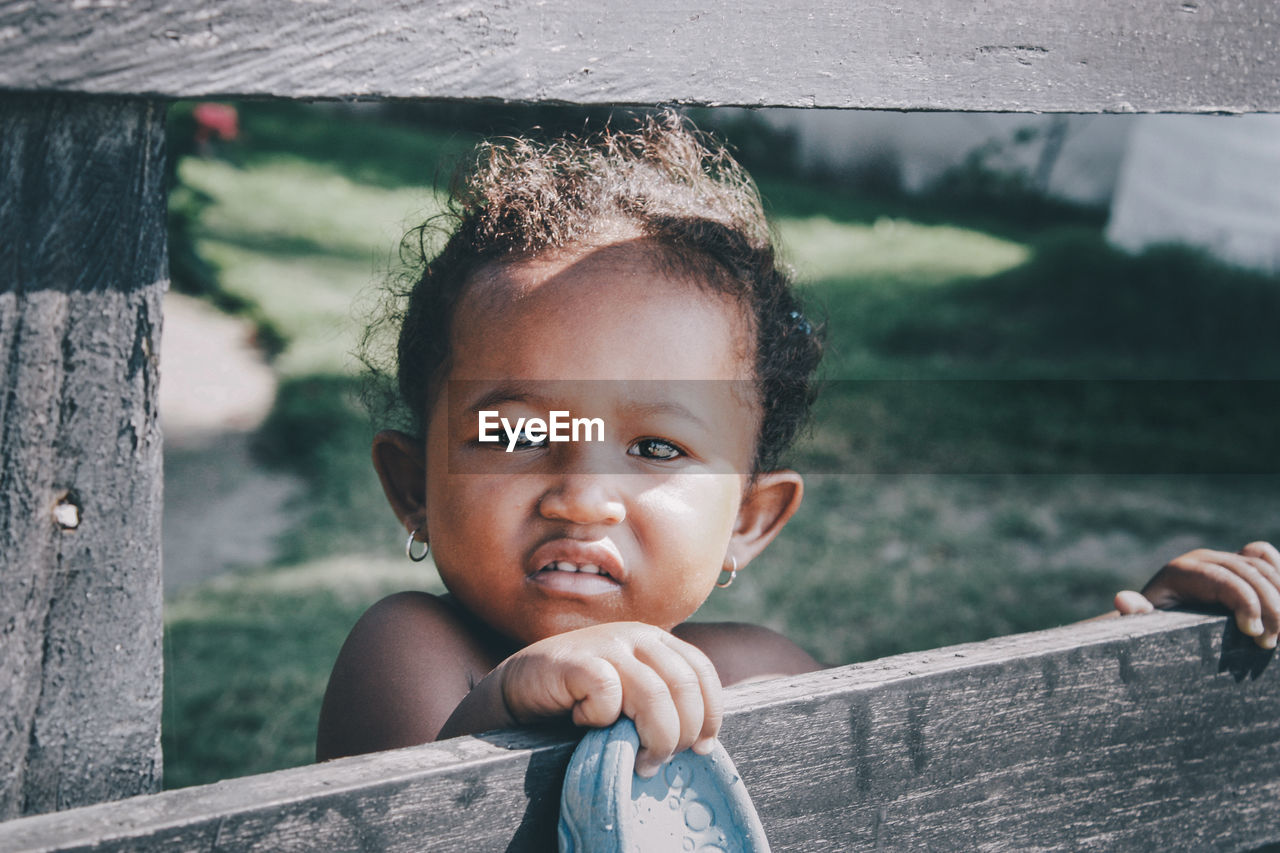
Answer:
(1088, 56)
(1154, 732)
(1099, 737)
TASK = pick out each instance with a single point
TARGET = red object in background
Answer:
(218, 120)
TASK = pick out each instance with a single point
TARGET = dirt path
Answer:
(220, 510)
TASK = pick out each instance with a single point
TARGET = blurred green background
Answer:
(1032, 523)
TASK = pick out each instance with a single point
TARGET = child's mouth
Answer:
(575, 568)
(577, 580)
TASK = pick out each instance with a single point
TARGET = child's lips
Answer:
(573, 566)
(575, 583)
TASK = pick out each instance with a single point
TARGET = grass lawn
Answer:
(990, 453)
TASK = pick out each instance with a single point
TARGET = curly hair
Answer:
(664, 182)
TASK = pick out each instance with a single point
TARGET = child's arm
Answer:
(1247, 583)
(403, 669)
(742, 652)
(596, 674)
(414, 671)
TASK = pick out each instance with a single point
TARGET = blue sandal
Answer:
(694, 803)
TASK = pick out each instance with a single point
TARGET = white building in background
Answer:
(1207, 181)
(922, 146)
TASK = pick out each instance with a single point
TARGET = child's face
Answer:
(657, 506)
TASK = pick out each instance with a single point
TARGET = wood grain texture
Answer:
(1092, 56)
(82, 270)
(1147, 733)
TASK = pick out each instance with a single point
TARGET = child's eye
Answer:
(654, 448)
(523, 442)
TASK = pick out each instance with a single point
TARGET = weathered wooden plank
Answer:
(82, 270)
(1144, 55)
(1148, 733)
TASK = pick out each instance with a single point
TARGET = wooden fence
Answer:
(1117, 736)
(1149, 733)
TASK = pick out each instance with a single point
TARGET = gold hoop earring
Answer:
(733, 573)
(408, 547)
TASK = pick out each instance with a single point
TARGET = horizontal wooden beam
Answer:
(1146, 733)
(1091, 56)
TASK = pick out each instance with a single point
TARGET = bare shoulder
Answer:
(405, 666)
(743, 652)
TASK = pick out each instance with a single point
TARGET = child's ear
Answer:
(766, 508)
(398, 459)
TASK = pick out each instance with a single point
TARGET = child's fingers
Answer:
(1268, 571)
(647, 700)
(1263, 551)
(684, 686)
(1200, 576)
(1129, 603)
(595, 686)
(1265, 621)
(1265, 579)
(712, 692)
(1266, 559)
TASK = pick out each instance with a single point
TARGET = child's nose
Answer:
(582, 499)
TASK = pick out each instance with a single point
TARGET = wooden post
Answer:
(82, 271)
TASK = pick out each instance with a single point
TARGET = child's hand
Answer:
(667, 686)
(1248, 583)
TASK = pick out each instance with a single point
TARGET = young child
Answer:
(643, 259)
